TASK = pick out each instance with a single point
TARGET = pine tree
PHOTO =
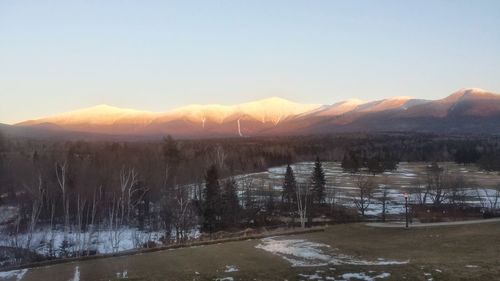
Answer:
(230, 204)
(212, 199)
(350, 163)
(318, 182)
(171, 157)
(375, 165)
(289, 186)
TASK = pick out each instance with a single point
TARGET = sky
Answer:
(57, 56)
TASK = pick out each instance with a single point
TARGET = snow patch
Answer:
(8, 213)
(298, 252)
(311, 277)
(363, 276)
(302, 253)
(122, 275)
(18, 274)
(76, 275)
(231, 268)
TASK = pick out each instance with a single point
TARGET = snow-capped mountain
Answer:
(465, 111)
(97, 115)
(189, 120)
(270, 110)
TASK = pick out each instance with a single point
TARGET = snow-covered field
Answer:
(47, 242)
(100, 241)
(13, 274)
(483, 185)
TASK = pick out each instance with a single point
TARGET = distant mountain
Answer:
(465, 111)
(190, 121)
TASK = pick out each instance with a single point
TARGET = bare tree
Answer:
(456, 186)
(128, 186)
(115, 223)
(36, 208)
(331, 196)
(419, 191)
(436, 184)
(80, 207)
(384, 197)
(182, 213)
(365, 187)
(489, 199)
(61, 180)
(220, 156)
(91, 216)
(302, 194)
(52, 233)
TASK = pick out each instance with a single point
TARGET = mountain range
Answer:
(467, 111)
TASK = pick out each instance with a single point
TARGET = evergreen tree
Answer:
(318, 182)
(466, 154)
(289, 186)
(212, 200)
(230, 204)
(350, 163)
(172, 158)
(375, 165)
(270, 205)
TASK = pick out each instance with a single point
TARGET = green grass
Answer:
(447, 249)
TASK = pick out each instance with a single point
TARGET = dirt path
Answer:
(402, 224)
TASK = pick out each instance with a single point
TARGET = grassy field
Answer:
(467, 252)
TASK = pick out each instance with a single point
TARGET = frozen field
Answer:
(342, 186)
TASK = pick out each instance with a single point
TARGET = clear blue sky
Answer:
(57, 56)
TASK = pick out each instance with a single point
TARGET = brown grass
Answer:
(430, 250)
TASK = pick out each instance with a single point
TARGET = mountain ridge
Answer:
(277, 116)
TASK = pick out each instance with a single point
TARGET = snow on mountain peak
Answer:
(268, 111)
(353, 101)
(471, 90)
(400, 98)
(98, 115)
(468, 93)
(272, 109)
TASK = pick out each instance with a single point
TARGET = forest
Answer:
(62, 197)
